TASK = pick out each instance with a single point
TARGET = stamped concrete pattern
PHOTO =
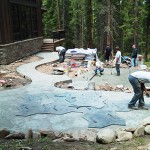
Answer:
(41, 105)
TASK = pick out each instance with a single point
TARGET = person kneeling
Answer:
(99, 68)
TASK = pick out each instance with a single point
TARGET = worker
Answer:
(118, 60)
(137, 80)
(61, 52)
(134, 56)
(99, 68)
(107, 53)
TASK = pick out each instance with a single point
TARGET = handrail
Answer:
(59, 34)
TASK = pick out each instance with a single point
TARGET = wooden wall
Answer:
(6, 27)
(5, 22)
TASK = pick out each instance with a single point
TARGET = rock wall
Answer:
(17, 50)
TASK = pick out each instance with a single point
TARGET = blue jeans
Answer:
(62, 56)
(133, 62)
(138, 92)
(118, 69)
(99, 70)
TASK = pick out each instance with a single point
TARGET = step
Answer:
(1, 51)
(47, 46)
(47, 50)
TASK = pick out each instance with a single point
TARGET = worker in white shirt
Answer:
(137, 80)
(118, 60)
(61, 52)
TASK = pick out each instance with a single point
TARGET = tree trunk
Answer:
(108, 24)
(135, 22)
(89, 24)
(58, 11)
(63, 14)
(147, 32)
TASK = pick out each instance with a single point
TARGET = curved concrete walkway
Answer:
(40, 105)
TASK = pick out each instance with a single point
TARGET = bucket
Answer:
(91, 86)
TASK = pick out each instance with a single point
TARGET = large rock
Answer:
(84, 135)
(69, 139)
(49, 134)
(142, 147)
(147, 129)
(148, 147)
(115, 148)
(4, 133)
(18, 135)
(36, 135)
(59, 135)
(145, 122)
(139, 131)
(29, 134)
(106, 136)
(124, 136)
(130, 130)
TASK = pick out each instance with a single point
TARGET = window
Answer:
(16, 23)
(24, 20)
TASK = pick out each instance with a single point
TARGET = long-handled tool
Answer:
(89, 81)
(111, 66)
(92, 77)
(129, 65)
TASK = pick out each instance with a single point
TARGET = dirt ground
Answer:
(48, 144)
(10, 78)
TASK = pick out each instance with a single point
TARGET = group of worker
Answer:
(118, 57)
(136, 79)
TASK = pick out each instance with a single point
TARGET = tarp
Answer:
(87, 51)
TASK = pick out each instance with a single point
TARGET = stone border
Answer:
(102, 136)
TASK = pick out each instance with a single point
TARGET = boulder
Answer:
(4, 132)
(147, 129)
(139, 131)
(124, 136)
(145, 121)
(36, 135)
(84, 135)
(16, 135)
(130, 129)
(49, 134)
(106, 136)
(142, 147)
(29, 134)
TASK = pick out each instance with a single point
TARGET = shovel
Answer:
(89, 81)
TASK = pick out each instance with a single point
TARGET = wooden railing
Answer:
(57, 35)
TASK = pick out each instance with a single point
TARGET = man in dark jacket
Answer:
(134, 56)
(107, 53)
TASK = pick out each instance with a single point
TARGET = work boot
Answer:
(142, 107)
(133, 107)
(118, 73)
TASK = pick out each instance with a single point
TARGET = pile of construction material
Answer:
(72, 68)
(81, 54)
(118, 88)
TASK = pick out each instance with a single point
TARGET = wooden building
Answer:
(20, 29)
